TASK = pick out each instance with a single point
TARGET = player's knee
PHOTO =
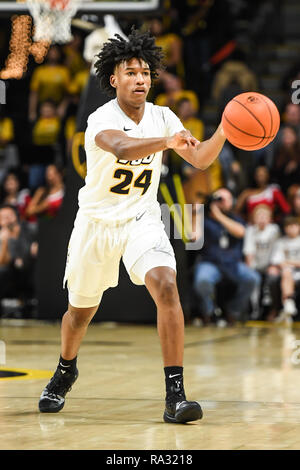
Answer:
(80, 317)
(167, 293)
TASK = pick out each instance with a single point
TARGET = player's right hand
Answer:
(182, 140)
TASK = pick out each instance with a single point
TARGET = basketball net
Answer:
(52, 19)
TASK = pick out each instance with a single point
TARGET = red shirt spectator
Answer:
(264, 193)
(46, 201)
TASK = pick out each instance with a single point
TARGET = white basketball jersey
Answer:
(117, 190)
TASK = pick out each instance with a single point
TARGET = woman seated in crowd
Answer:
(263, 193)
(286, 166)
(47, 200)
(11, 193)
(296, 205)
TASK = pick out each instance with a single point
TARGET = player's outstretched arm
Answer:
(131, 148)
(204, 153)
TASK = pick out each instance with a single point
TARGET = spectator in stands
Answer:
(231, 170)
(296, 205)
(174, 92)
(284, 271)
(258, 245)
(291, 192)
(291, 116)
(221, 258)
(233, 71)
(50, 81)
(45, 135)
(171, 45)
(286, 166)
(262, 193)
(11, 193)
(79, 81)
(47, 200)
(16, 249)
(6, 137)
(73, 55)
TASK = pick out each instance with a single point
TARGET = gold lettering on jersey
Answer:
(140, 161)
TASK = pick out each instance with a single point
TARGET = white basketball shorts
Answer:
(96, 248)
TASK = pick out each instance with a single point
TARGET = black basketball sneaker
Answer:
(52, 398)
(178, 409)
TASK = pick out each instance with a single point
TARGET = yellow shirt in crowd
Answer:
(79, 82)
(74, 60)
(50, 82)
(166, 42)
(6, 130)
(163, 99)
(195, 126)
(45, 131)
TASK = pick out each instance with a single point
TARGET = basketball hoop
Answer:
(52, 19)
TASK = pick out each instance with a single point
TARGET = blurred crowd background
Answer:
(249, 267)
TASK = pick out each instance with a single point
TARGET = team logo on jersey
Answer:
(140, 161)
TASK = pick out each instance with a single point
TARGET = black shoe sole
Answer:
(184, 416)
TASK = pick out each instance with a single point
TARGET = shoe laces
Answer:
(59, 384)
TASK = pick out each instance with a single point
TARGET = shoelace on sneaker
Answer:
(59, 384)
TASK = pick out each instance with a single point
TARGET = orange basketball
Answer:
(250, 121)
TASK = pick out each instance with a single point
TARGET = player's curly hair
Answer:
(116, 50)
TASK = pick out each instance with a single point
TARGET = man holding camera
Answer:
(221, 259)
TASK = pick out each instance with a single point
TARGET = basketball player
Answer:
(119, 215)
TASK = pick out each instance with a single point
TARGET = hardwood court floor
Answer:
(246, 378)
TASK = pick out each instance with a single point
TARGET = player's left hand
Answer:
(182, 140)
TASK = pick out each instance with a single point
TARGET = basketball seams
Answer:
(252, 114)
(245, 132)
(267, 104)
